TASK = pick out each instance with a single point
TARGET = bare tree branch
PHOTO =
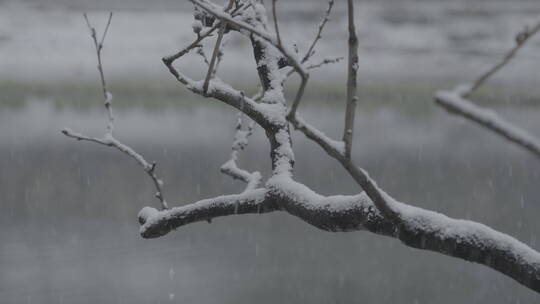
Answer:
(168, 60)
(351, 81)
(276, 24)
(108, 139)
(214, 58)
(521, 39)
(325, 61)
(200, 52)
(107, 97)
(312, 66)
(326, 18)
(215, 53)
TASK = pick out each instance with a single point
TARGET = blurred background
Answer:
(68, 228)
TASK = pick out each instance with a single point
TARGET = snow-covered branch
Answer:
(456, 104)
(421, 229)
(231, 168)
(156, 223)
(456, 101)
(333, 147)
(325, 61)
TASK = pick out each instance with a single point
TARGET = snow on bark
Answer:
(455, 103)
(156, 223)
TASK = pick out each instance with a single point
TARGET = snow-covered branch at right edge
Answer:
(456, 101)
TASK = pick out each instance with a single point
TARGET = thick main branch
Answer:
(421, 228)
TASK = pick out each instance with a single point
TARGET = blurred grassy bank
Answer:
(408, 96)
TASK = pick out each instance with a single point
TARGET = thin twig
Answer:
(325, 61)
(219, 58)
(210, 71)
(107, 97)
(169, 60)
(106, 29)
(200, 37)
(215, 53)
(276, 25)
(108, 139)
(520, 39)
(200, 52)
(311, 49)
(299, 94)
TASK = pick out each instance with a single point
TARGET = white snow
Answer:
(454, 102)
